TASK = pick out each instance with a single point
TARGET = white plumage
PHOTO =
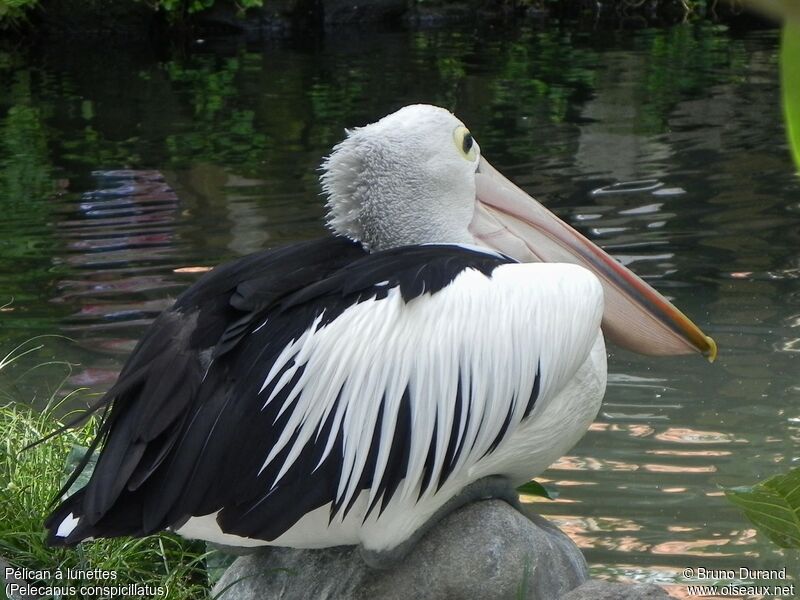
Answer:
(490, 334)
(350, 390)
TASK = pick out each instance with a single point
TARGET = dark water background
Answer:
(122, 172)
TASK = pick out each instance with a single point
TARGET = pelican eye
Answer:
(465, 143)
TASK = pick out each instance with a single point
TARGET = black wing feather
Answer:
(187, 433)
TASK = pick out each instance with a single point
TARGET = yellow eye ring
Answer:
(465, 143)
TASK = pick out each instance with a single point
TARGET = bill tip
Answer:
(711, 352)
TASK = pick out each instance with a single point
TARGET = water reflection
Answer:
(124, 176)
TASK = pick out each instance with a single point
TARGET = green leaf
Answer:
(790, 85)
(74, 459)
(773, 506)
(534, 488)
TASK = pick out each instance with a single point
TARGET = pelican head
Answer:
(406, 179)
(417, 176)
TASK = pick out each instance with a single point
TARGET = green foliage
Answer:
(29, 480)
(790, 85)
(534, 488)
(13, 11)
(181, 7)
(773, 506)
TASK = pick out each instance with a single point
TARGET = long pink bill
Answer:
(636, 316)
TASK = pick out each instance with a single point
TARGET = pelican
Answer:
(443, 344)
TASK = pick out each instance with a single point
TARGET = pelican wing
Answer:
(159, 389)
(394, 374)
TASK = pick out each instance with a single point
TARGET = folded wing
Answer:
(393, 374)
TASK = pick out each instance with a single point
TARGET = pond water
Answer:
(124, 173)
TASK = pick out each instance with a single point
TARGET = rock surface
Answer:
(484, 550)
(604, 590)
(4, 564)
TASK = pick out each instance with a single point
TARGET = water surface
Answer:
(124, 174)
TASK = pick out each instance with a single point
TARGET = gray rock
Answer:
(4, 564)
(604, 590)
(483, 550)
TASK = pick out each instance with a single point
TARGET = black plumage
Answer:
(187, 432)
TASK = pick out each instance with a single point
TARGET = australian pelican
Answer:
(352, 389)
